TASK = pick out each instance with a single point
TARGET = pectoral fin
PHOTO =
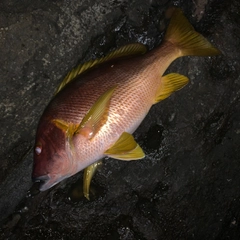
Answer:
(169, 84)
(125, 148)
(61, 124)
(69, 128)
(87, 177)
(96, 116)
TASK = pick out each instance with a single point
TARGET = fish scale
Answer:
(102, 102)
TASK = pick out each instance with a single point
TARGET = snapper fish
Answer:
(102, 102)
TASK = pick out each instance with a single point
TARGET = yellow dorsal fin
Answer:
(169, 84)
(182, 34)
(127, 50)
(87, 177)
(125, 148)
(96, 116)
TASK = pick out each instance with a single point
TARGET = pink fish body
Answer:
(94, 115)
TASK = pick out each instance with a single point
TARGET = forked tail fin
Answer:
(182, 34)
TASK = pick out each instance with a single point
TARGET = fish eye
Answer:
(38, 150)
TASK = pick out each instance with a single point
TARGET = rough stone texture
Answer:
(187, 187)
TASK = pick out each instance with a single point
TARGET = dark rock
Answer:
(187, 187)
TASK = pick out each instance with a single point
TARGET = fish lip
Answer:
(47, 181)
(43, 181)
(45, 186)
(41, 178)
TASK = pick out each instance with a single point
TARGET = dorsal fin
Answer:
(127, 50)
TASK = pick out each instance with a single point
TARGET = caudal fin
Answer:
(182, 34)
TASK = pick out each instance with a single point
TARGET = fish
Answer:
(100, 104)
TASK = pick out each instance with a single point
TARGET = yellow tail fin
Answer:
(182, 34)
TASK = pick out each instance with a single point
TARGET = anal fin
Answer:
(170, 83)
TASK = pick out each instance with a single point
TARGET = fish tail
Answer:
(182, 34)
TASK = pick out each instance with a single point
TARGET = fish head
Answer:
(52, 159)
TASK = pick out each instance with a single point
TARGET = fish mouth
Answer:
(46, 181)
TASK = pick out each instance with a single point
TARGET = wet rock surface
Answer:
(187, 187)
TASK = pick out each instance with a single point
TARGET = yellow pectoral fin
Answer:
(61, 124)
(68, 128)
(169, 84)
(96, 116)
(87, 177)
(125, 148)
(127, 50)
